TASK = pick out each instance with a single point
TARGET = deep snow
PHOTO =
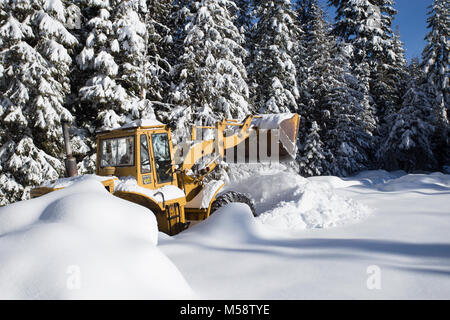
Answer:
(315, 238)
(285, 200)
(405, 239)
(84, 243)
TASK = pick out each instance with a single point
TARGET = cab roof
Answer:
(140, 123)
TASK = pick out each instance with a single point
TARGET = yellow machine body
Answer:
(146, 146)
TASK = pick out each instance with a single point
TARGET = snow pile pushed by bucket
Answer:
(285, 200)
(83, 243)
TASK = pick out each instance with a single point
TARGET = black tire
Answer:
(230, 197)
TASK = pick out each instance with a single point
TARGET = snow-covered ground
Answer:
(377, 235)
(84, 243)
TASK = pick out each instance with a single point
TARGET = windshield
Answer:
(161, 151)
(118, 152)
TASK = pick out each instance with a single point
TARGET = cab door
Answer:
(162, 158)
(145, 167)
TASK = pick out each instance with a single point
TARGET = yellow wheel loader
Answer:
(137, 162)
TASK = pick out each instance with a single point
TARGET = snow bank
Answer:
(83, 243)
(285, 200)
(335, 182)
(376, 177)
(436, 181)
(233, 223)
(364, 178)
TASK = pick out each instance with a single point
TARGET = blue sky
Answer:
(411, 20)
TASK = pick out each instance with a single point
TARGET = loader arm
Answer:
(204, 148)
(212, 151)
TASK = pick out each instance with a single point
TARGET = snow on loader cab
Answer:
(137, 162)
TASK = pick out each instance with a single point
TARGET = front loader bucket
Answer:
(273, 138)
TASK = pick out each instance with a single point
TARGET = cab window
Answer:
(145, 159)
(117, 152)
(161, 152)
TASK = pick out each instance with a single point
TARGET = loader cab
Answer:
(144, 152)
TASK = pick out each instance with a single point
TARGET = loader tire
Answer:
(230, 197)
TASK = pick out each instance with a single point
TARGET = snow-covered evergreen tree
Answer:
(156, 64)
(366, 25)
(399, 74)
(122, 61)
(210, 81)
(336, 100)
(244, 22)
(122, 73)
(164, 23)
(35, 48)
(244, 14)
(398, 78)
(350, 137)
(276, 42)
(306, 12)
(312, 161)
(315, 60)
(435, 58)
(408, 145)
(141, 39)
(104, 100)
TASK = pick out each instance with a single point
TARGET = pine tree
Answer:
(276, 38)
(366, 25)
(244, 22)
(408, 145)
(351, 119)
(159, 43)
(307, 16)
(210, 77)
(316, 60)
(399, 79)
(103, 100)
(121, 61)
(163, 23)
(35, 49)
(336, 100)
(399, 73)
(435, 58)
(312, 161)
(244, 14)
(122, 72)
(142, 69)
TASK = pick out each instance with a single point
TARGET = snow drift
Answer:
(233, 223)
(436, 181)
(82, 242)
(285, 200)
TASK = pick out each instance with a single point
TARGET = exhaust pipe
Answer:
(70, 162)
